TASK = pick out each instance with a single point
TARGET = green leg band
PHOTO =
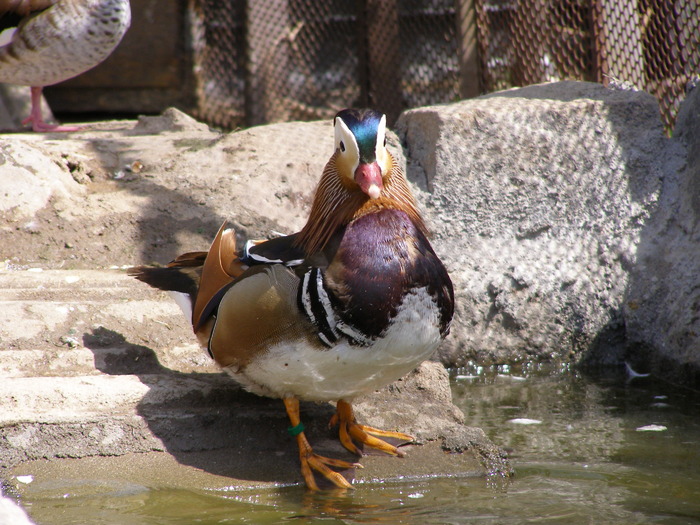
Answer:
(295, 431)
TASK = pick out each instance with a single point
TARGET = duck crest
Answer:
(336, 205)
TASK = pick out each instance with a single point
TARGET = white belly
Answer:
(346, 371)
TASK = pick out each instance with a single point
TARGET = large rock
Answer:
(662, 308)
(538, 198)
(29, 180)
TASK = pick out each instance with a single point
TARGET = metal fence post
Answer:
(267, 31)
(383, 57)
(469, 84)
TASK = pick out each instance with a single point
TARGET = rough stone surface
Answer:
(662, 307)
(29, 180)
(538, 198)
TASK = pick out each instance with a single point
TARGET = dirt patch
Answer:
(128, 193)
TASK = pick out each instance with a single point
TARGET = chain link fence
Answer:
(279, 60)
(650, 45)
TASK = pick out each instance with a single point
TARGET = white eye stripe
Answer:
(351, 151)
(381, 153)
(381, 138)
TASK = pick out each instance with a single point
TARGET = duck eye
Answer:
(342, 146)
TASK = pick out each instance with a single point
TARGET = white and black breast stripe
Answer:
(317, 305)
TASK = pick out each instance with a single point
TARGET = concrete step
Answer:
(76, 322)
(37, 304)
(95, 363)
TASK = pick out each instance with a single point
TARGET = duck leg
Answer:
(311, 461)
(350, 429)
(37, 119)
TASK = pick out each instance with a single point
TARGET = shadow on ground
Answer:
(207, 421)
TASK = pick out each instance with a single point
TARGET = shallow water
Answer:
(574, 441)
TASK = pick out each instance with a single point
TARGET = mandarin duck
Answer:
(56, 40)
(349, 304)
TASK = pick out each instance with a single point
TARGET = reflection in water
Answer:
(589, 454)
(579, 459)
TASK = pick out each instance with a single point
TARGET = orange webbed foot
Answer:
(310, 461)
(351, 430)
